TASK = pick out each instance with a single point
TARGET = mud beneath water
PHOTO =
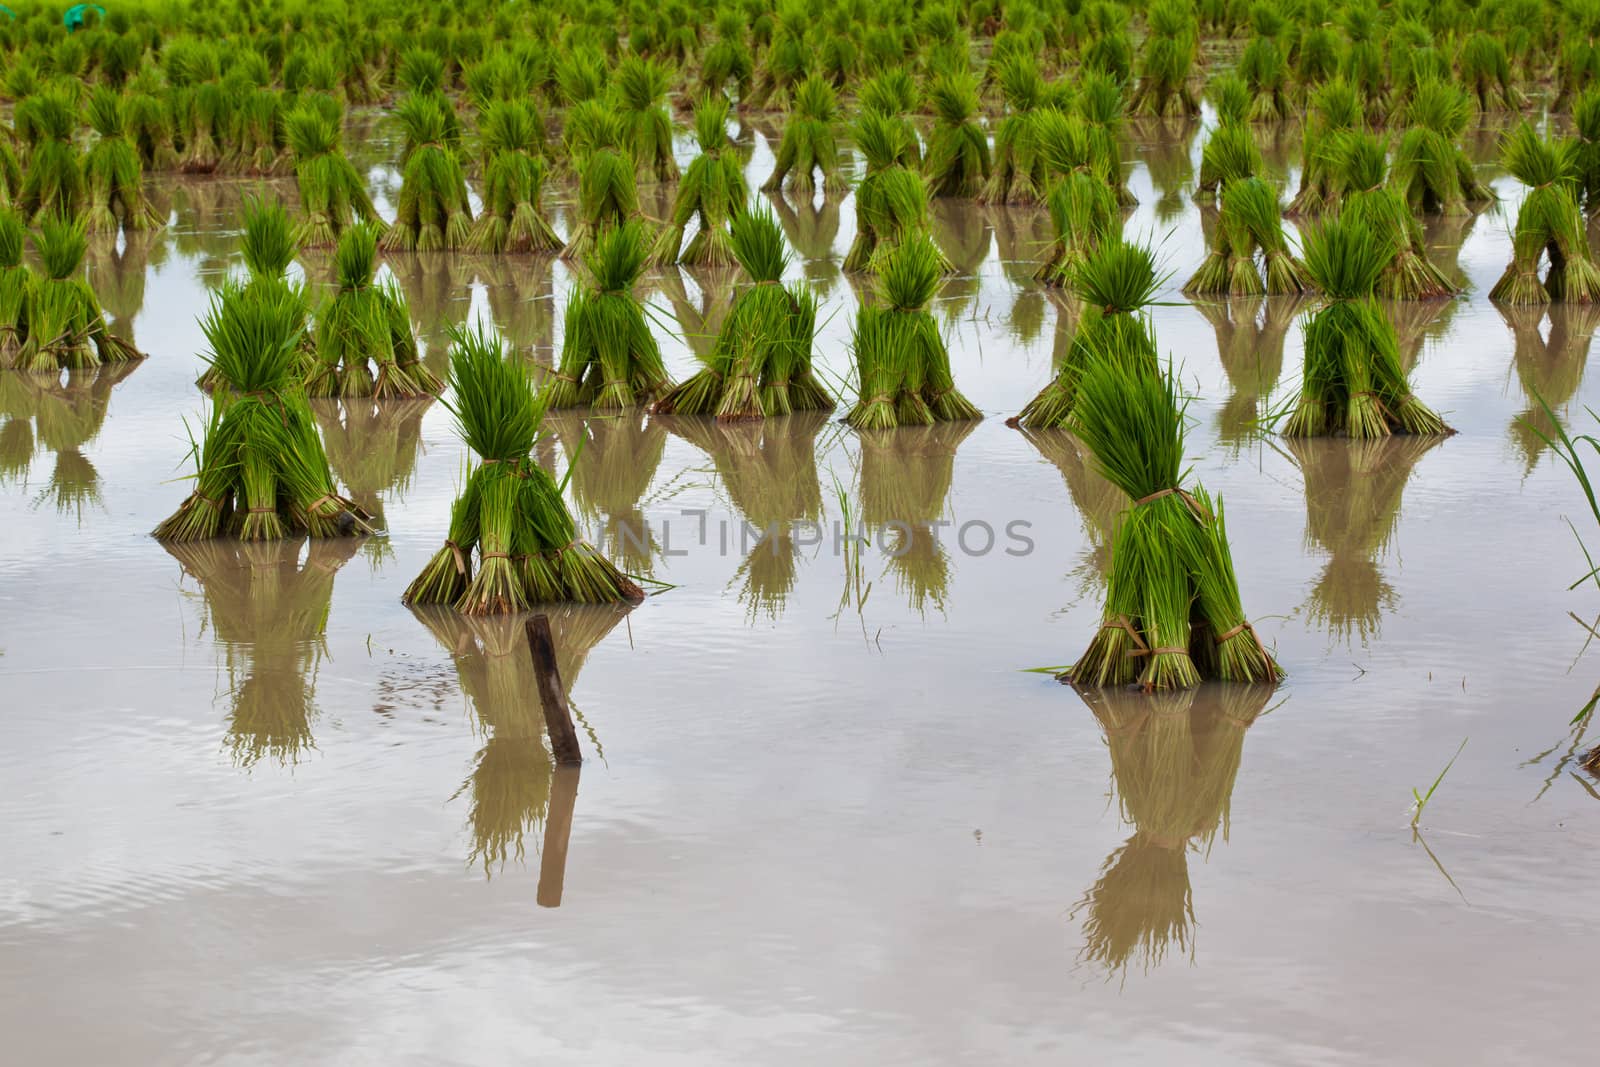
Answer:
(257, 811)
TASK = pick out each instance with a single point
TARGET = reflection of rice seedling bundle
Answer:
(638, 88)
(609, 359)
(53, 184)
(1082, 198)
(510, 510)
(372, 447)
(332, 195)
(1116, 282)
(1486, 72)
(1099, 502)
(1335, 107)
(1250, 340)
(1164, 64)
(905, 485)
(66, 418)
(522, 307)
(809, 145)
(1165, 148)
(115, 176)
(1173, 613)
(261, 472)
(607, 194)
(15, 282)
(1549, 221)
(1354, 382)
(364, 345)
(1250, 223)
(903, 368)
(1586, 123)
(65, 325)
(613, 460)
(812, 229)
(1018, 174)
(1264, 66)
(727, 58)
(957, 164)
(513, 183)
(434, 212)
(1360, 168)
(1549, 370)
(1429, 168)
(892, 199)
(712, 194)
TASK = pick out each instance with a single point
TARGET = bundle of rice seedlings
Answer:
(204, 113)
(1164, 64)
(363, 340)
(1172, 600)
(712, 193)
(1320, 49)
(115, 176)
(892, 199)
(267, 248)
(1082, 201)
(902, 365)
(1335, 107)
(609, 359)
(514, 174)
(1586, 123)
(761, 364)
(809, 145)
(257, 143)
(53, 183)
(639, 86)
(1099, 102)
(332, 196)
(261, 472)
(1429, 168)
(727, 58)
(1250, 224)
(1017, 174)
(149, 127)
(1354, 383)
(1230, 154)
(892, 94)
(958, 163)
(607, 194)
(433, 212)
(785, 63)
(15, 283)
(65, 326)
(510, 509)
(1116, 281)
(1486, 72)
(1360, 170)
(1265, 67)
(1549, 221)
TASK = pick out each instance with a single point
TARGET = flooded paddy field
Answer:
(257, 811)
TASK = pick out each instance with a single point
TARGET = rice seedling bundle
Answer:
(514, 173)
(712, 194)
(639, 87)
(66, 327)
(204, 113)
(1164, 64)
(1586, 123)
(809, 145)
(10, 170)
(332, 195)
(1099, 102)
(609, 360)
(510, 512)
(786, 63)
(1017, 174)
(433, 213)
(1230, 154)
(1363, 66)
(267, 248)
(1354, 383)
(1082, 201)
(1429, 168)
(1335, 107)
(1115, 281)
(607, 195)
(1250, 224)
(1360, 170)
(149, 127)
(15, 282)
(1549, 222)
(1173, 614)
(1264, 66)
(363, 340)
(53, 183)
(1321, 46)
(261, 472)
(115, 175)
(761, 363)
(958, 163)
(581, 75)
(1486, 72)
(1578, 59)
(892, 199)
(727, 59)
(258, 143)
(902, 365)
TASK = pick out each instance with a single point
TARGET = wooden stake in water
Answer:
(552, 696)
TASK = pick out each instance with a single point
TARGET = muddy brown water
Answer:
(256, 811)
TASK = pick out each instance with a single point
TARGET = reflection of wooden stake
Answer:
(557, 716)
(557, 831)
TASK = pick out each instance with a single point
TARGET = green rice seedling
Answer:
(1320, 49)
(728, 58)
(581, 75)
(1250, 224)
(1099, 102)
(712, 194)
(607, 194)
(363, 340)
(1360, 171)
(53, 183)
(1586, 124)
(892, 199)
(1017, 174)
(66, 327)
(149, 127)
(639, 87)
(332, 195)
(1230, 153)
(892, 94)
(1082, 200)
(1335, 107)
(1549, 222)
(261, 473)
(809, 145)
(267, 248)
(958, 162)
(433, 213)
(609, 359)
(761, 363)
(115, 177)
(1429, 168)
(259, 146)
(902, 365)
(510, 510)
(1420, 799)
(514, 173)
(15, 283)
(1166, 60)
(1486, 72)
(786, 63)
(1265, 66)
(1354, 383)
(204, 113)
